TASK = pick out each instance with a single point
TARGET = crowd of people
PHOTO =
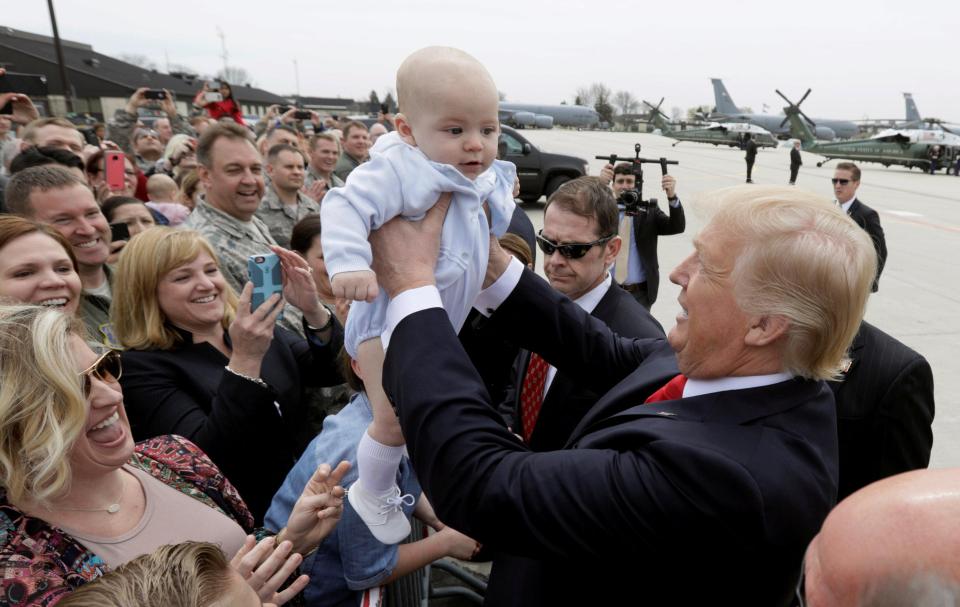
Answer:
(161, 436)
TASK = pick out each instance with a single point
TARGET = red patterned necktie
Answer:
(672, 390)
(531, 395)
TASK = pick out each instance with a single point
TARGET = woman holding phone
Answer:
(201, 364)
(217, 98)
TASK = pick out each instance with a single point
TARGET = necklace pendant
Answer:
(113, 508)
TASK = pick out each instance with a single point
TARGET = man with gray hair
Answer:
(673, 489)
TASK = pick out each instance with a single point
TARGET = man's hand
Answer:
(497, 262)
(317, 190)
(318, 508)
(405, 252)
(22, 109)
(137, 100)
(606, 174)
(288, 116)
(168, 105)
(669, 183)
(357, 286)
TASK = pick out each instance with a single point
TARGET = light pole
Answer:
(67, 91)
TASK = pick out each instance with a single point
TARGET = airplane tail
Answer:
(721, 97)
(800, 129)
(913, 115)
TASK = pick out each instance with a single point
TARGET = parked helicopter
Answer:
(727, 133)
(905, 147)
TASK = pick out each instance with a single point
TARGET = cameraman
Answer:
(122, 130)
(638, 270)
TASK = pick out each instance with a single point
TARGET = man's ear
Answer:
(204, 174)
(764, 330)
(269, 169)
(404, 129)
(611, 250)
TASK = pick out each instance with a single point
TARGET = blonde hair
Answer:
(191, 574)
(802, 258)
(138, 321)
(42, 407)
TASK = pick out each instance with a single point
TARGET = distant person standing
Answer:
(935, 154)
(751, 147)
(795, 162)
(846, 180)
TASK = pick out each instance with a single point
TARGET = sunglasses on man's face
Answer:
(840, 181)
(571, 250)
(106, 369)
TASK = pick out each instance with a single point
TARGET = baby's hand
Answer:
(358, 286)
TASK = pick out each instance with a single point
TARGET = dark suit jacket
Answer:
(566, 402)
(869, 220)
(677, 503)
(186, 391)
(751, 147)
(795, 159)
(646, 228)
(884, 410)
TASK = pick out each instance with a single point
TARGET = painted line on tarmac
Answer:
(900, 219)
(904, 213)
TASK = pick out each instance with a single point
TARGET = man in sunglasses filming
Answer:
(695, 489)
(579, 244)
(846, 180)
(637, 269)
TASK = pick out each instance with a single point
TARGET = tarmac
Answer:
(919, 297)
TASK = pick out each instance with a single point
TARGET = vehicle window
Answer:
(513, 146)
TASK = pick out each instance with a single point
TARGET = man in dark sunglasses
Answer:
(693, 489)
(846, 180)
(579, 244)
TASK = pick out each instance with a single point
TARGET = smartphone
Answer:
(31, 85)
(213, 85)
(384, 109)
(119, 231)
(302, 115)
(266, 276)
(155, 94)
(283, 109)
(213, 96)
(114, 169)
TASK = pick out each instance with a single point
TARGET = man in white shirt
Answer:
(712, 489)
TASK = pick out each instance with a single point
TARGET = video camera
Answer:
(631, 201)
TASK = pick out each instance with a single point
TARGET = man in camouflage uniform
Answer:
(284, 205)
(232, 174)
(121, 129)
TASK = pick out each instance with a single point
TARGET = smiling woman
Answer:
(200, 364)
(37, 265)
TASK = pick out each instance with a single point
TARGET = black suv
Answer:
(540, 173)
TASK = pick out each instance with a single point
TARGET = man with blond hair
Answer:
(674, 489)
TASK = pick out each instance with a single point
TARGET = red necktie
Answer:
(531, 395)
(672, 390)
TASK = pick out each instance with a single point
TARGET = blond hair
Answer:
(803, 259)
(42, 407)
(33, 127)
(191, 574)
(138, 321)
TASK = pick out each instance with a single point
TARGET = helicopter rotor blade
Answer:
(784, 97)
(805, 95)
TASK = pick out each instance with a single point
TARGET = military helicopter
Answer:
(905, 147)
(726, 133)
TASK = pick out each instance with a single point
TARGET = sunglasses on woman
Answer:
(106, 368)
(571, 250)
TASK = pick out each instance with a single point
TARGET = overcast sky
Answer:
(858, 57)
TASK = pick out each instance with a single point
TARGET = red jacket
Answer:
(218, 109)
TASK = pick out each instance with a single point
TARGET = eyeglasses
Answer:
(572, 250)
(106, 368)
(835, 181)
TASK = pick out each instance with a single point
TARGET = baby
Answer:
(446, 141)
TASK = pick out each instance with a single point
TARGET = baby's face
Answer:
(458, 128)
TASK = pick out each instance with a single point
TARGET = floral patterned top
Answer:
(40, 564)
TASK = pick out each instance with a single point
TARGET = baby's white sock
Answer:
(377, 465)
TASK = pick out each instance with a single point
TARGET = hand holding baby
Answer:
(357, 286)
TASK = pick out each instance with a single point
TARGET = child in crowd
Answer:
(445, 141)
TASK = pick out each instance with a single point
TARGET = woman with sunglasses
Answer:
(78, 498)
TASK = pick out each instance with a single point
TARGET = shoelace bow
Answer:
(397, 502)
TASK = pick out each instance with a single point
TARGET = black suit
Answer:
(751, 157)
(647, 226)
(677, 503)
(869, 220)
(795, 163)
(565, 401)
(884, 410)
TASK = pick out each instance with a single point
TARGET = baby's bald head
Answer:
(427, 78)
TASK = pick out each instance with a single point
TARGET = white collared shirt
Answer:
(846, 205)
(697, 387)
